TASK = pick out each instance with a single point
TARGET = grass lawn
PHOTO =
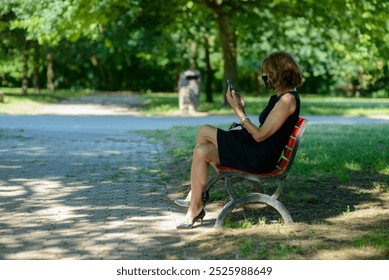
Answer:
(337, 193)
(167, 103)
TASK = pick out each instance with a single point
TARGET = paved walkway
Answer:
(89, 187)
(83, 195)
(76, 187)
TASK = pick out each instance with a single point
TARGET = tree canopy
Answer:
(142, 45)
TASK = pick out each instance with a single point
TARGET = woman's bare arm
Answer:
(276, 118)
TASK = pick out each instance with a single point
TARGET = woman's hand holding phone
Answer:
(234, 98)
(230, 89)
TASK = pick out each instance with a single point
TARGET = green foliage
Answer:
(342, 45)
(330, 40)
(50, 21)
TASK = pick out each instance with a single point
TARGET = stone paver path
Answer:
(86, 195)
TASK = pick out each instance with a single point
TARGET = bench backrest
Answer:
(288, 154)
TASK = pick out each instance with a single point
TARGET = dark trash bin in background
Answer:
(189, 85)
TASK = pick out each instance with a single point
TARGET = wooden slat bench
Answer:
(231, 176)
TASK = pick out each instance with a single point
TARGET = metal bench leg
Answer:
(280, 188)
(253, 198)
(212, 181)
(208, 185)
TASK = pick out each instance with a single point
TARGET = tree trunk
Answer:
(194, 56)
(229, 47)
(25, 68)
(104, 83)
(50, 72)
(209, 71)
(35, 73)
(257, 86)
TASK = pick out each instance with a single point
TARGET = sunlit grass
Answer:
(336, 151)
(377, 238)
(342, 151)
(339, 175)
(167, 103)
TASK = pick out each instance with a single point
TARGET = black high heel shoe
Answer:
(189, 225)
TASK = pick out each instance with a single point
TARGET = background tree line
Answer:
(141, 45)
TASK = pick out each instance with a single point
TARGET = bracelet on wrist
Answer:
(243, 120)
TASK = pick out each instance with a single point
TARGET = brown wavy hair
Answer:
(283, 70)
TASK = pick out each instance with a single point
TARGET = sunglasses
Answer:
(265, 79)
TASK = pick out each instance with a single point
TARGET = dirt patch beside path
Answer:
(103, 104)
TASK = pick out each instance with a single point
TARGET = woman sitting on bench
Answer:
(248, 147)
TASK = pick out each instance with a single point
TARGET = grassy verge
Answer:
(17, 103)
(336, 151)
(44, 96)
(337, 193)
(167, 103)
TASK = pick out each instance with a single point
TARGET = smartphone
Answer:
(229, 84)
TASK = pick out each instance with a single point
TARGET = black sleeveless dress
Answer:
(238, 149)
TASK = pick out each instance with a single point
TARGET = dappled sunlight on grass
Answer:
(384, 171)
(337, 194)
(353, 166)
